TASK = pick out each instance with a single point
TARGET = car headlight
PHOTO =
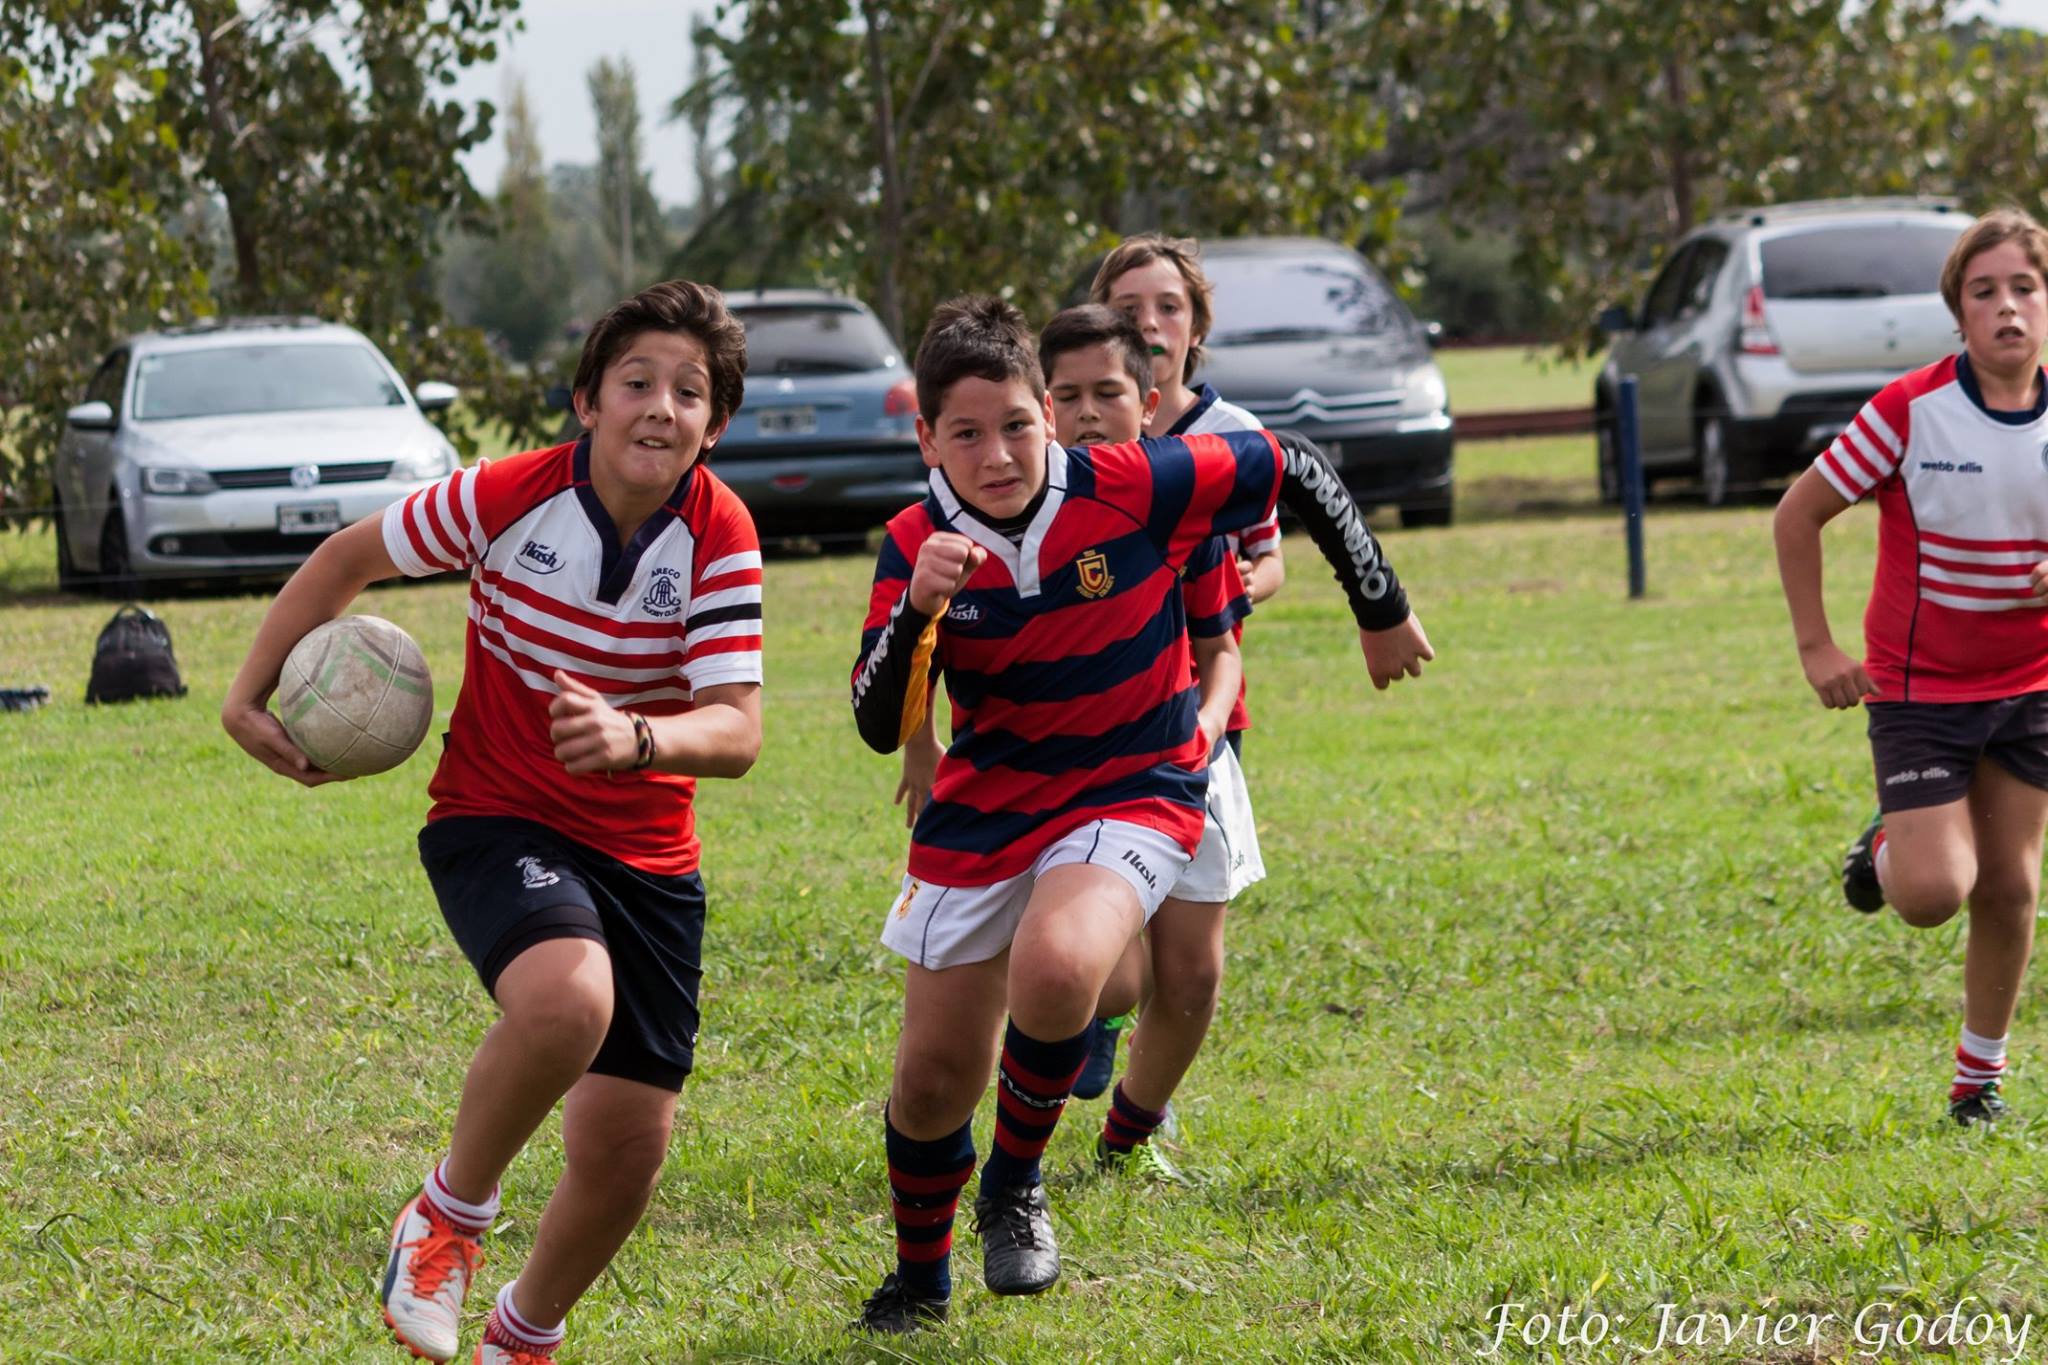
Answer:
(433, 464)
(1423, 392)
(176, 482)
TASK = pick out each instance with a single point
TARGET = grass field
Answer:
(1506, 378)
(1550, 999)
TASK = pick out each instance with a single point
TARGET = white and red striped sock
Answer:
(1978, 1060)
(518, 1332)
(474, 1219)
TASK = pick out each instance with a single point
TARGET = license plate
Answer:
(308, 518)
(787, 421)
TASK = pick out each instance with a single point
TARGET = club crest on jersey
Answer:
(663, 597)
(1096, 579)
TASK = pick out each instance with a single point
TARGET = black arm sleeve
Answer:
(893, 683)
(1314, 493)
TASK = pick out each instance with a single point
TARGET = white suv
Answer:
(1767, 329)
(232, 448)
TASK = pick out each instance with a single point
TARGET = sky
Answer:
(563, 39)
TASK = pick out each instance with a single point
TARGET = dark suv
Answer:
(1308, 336)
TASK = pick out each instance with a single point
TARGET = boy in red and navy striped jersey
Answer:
(613, 657)
(1955, 674)
(1044, 583)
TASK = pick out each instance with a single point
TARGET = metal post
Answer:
(1629, 444)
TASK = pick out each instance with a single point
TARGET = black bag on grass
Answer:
(133, 659)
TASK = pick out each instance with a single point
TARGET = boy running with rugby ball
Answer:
(613, 657)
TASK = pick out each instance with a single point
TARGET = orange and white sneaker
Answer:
(502, 1347)
(432, 1262)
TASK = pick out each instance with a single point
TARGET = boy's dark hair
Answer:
(976, 336)
(1995, 228)
(697, 310)
(1183, 254)
(1095, 324)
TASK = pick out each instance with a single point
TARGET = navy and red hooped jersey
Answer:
(1962, 498)
(1066, 656)
(648, 625)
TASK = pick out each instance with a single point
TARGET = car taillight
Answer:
(1756, 338)
(901, 400)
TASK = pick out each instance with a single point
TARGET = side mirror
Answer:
(93, 416)
(1615, 320)
(1433, 332)
(434, 395)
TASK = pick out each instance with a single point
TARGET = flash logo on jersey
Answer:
(1096, 579)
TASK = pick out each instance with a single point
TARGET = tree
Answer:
(633, 231)
(319, 136)
(522, 293)
(999, 146)
(1607, 130)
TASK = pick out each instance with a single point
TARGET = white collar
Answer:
(1021, 559)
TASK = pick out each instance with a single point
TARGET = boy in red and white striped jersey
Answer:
(1955, 678)
(613, 657)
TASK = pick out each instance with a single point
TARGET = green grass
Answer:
(1550, 998)
(1509, 378)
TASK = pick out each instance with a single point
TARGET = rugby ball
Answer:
(355, 696)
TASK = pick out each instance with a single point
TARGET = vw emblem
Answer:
(785, 386)
(305, 475)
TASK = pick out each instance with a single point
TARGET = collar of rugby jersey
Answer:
(1021, 556)
(621, 562)
(1966, 376)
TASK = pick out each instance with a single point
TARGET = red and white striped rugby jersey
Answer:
(648, 625)
(1962, 497)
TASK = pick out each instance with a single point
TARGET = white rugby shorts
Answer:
(1227, 861)
(946, 926)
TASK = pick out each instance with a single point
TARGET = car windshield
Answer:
(818, 338)
(220, 380)
(1297, 298)
(1860, 261)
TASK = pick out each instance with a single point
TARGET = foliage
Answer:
(514, 282)
(1599, 133)
(319, 135)
(633, 238)
(1025, 136)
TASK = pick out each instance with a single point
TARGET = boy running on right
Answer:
(1955, 678)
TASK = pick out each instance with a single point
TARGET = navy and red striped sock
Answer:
(925, 1180)
(1126, 1124)
(1031, 1089)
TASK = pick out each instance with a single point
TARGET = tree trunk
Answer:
(237, 189)
(886, 301)
(1678, 160)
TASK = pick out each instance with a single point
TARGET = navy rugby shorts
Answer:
(507, 884)
(1926, 752)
